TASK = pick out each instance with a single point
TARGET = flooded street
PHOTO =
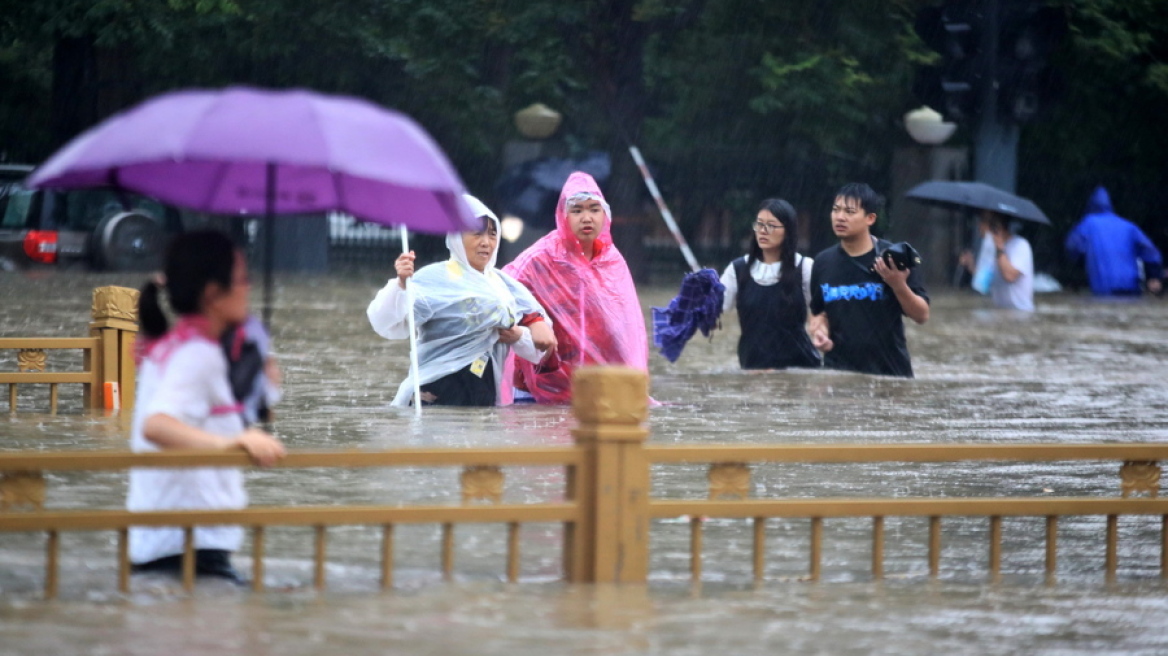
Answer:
(1078, 370)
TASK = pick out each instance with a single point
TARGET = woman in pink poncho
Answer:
(581, 279)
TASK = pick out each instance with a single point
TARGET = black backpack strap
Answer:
(245, 363)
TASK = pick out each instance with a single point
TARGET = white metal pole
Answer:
(665, 213)
(405, 242)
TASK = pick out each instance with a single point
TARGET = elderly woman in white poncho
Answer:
(469, 315)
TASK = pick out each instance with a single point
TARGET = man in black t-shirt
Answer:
(857, 299)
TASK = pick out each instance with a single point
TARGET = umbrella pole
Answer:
(405, 243)
(269, 242)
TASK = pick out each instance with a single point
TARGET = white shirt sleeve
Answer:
(273, 393)
(388, 311)
(525, 347)
(185, 389)
(1021, 256)
(730, 282)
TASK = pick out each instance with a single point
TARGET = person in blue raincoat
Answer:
(1113, 247)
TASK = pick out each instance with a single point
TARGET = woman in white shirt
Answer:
(770, 287)
(469, 315)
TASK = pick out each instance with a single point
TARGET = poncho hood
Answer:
(1100, 202)
(580, 183)
(454, 241)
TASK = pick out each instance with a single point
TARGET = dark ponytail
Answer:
(151, 319)
(193, 261)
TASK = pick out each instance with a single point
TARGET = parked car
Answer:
(103, 228)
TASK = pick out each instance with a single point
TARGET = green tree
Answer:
(782, 98)
(730, 101)
(1108, 127)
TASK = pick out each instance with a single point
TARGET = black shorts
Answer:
(463, 388)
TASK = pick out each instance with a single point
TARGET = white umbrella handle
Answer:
(405, 241)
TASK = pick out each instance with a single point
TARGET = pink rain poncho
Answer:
(593, 304)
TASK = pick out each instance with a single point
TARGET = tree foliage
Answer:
(1108, 128)
(731, 101)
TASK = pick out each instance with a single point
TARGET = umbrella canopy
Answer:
(256, 151)
(977, 195)
(243, 150)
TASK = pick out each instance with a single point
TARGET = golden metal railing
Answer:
(607, 509)
(729, 476)
(598, 528)
(32, 362)
(108, 355)
(23, 484)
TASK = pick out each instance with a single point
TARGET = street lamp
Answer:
(926, 127)
(511, 228)
(537, 121)
(927, 159)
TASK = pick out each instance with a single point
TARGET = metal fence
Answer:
(357, 244)
(107, 373)
(608, 505)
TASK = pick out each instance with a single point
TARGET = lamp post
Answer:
(537, 126)
(932, 231)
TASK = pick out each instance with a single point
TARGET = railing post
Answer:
(115, 321)
(611, 405)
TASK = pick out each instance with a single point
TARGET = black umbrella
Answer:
(977, 195)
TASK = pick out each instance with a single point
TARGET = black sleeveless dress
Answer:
(773, 332)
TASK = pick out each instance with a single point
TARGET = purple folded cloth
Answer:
(696, 307)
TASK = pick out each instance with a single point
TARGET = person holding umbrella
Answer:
(858, 298)
(469, 316)
(1012, 285)
(255, 376)
(770, 287)
(1012, 282)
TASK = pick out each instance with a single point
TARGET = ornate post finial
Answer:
(112, 302)
(610, 395)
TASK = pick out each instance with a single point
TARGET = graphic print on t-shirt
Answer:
(869, 291)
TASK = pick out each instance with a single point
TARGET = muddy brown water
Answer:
(1078, 370)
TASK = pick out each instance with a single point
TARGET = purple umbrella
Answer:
(254, 151)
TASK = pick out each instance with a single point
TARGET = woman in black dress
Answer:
(769, 288)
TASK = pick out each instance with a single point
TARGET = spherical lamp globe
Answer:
(537, 121)
(926, 127)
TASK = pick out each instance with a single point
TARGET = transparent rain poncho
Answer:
(598, 318)
(458, 312)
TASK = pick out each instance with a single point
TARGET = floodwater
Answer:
(1079, 370)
